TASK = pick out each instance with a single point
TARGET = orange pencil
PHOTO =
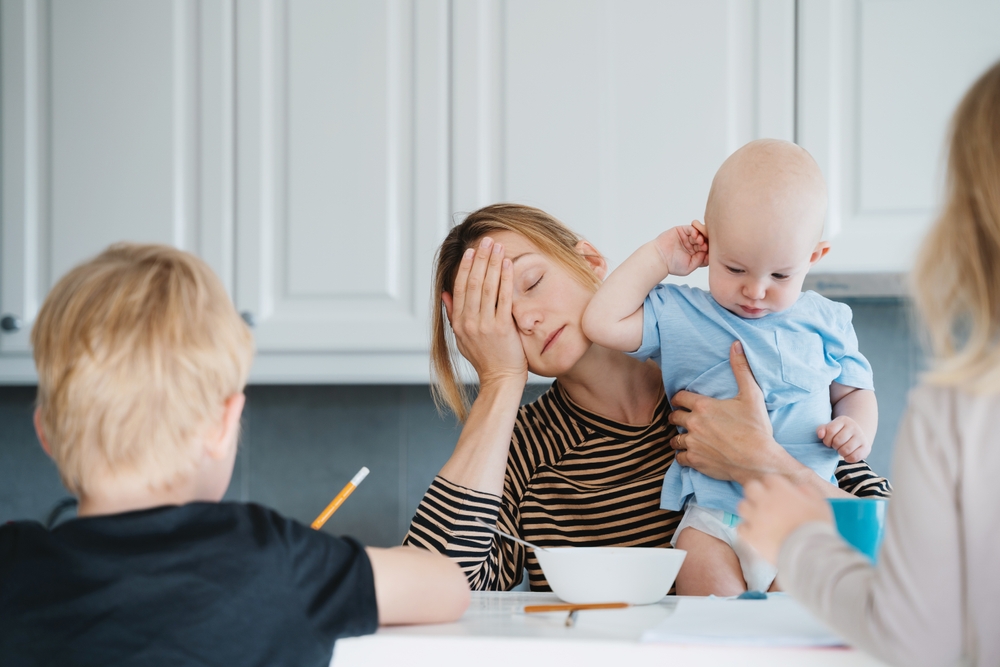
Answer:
(339, 500)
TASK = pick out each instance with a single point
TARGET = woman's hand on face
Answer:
(479, 310)
(728, 439)
(772, 509)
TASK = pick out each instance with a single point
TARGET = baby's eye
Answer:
(779, 276)
(734, 270)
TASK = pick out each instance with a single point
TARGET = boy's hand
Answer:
(683, 249)
(845, 435)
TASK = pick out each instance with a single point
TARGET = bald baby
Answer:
(763, 231)
(768, 187)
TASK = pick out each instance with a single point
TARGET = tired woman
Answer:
(583, 464)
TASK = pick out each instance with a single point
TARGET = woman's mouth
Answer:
(552, 338)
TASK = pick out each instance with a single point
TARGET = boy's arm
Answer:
(417, 586)
(855, 422)
(613, 318)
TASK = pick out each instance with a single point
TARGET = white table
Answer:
(495, 631)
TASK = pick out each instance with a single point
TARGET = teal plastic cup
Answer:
(861, 522)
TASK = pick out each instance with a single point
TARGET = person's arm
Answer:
(855, 421)
(732, 439)
(613, 318)
(417, 586)
(470, 486)
(909, 609)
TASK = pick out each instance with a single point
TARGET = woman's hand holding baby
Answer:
(847, 437)
(683, 249)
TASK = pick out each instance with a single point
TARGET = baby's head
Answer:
(764, 222)
(140, 354)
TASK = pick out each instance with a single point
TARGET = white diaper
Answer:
(757, 572)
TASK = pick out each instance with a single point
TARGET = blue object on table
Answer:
(752, 595)
(861, 522)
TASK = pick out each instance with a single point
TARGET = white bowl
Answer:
(587, 575)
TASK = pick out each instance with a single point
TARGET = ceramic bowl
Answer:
(585, 575)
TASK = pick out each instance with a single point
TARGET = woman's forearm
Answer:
(480, 458)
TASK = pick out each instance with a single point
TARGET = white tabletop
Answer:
(496, 631)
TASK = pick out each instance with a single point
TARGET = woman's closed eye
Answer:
(534, 284)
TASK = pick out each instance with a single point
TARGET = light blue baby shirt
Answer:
(794, 354)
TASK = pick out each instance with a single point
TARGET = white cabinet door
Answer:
(878, 82)
(115, 127)
(342, 148)
(614, 115)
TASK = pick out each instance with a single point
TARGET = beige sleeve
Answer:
(908, 610)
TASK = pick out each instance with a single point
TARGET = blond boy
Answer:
(762, 233)
(142, 360)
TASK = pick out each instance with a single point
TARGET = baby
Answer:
(763, 225)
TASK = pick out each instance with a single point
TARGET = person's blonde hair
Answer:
(544, 231)
(137, 351)
(957, 273)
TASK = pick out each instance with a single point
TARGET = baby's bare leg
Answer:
(710, 567)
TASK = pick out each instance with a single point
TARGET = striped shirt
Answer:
(573, 478)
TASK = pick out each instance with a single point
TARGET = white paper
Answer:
(777, 621)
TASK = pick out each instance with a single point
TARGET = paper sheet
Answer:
(777, 621)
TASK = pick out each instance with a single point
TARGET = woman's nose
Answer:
(525, 318)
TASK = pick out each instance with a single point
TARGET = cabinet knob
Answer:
(249, 318)
(10, 323)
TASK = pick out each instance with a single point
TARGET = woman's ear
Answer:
(595, 259)
(446, 300)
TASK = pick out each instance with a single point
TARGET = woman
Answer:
(583, 464)
(934, 597)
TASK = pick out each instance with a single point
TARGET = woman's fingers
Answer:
(461, 283)
(505, 298)
(474, 289)
(745, 381)
(491, 282)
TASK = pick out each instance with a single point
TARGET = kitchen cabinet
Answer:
(115, 122)
(314, 153)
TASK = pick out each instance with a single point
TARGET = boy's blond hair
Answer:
(137, 351)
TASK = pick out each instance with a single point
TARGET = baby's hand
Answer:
(844, 435)
(683, 249)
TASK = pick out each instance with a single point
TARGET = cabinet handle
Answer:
(249, 318)
(10, 323)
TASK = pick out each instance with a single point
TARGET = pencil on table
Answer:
(340, 498)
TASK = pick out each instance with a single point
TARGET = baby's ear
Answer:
(700, 226)
(819, 252)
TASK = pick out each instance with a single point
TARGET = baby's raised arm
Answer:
(614, 317)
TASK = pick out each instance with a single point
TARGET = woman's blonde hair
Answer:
(957, 273)
(547, 234)
(137, 351)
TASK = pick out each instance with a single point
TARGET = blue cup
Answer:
(861, 522)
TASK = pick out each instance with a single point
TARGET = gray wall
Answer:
(301, 444)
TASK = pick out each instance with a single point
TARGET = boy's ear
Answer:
(700, 226)
(819, 252)
(595, 259)
(40, 432)
(219, 442)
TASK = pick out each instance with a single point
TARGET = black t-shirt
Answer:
(222, 584)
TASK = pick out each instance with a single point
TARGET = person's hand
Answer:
(479, 310)
(683, 249)
(773, 508)
(846, 436)
(728, 439)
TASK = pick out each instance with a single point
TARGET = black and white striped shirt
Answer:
(573, 478)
